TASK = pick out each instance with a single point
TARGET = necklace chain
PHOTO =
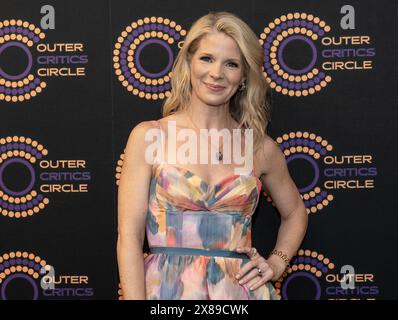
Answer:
(219, 154)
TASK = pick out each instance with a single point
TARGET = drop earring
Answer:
(242, 86)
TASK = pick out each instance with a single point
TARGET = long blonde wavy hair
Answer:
(248, 107)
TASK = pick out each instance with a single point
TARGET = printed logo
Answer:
(327, 171)
(310, 275)
(27, 176)
(18, 268)
(26, 61)
(320, 55)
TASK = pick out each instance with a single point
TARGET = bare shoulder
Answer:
(269, 157)
(178, 119)
(143, 127)
(137, 138)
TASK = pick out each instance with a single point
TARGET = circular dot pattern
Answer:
(23, 150)
(24, 35)
(20, 262)
(305, 260)
(310, 147)
(283, 30)
(126, 56)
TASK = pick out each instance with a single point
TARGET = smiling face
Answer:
(216, 69)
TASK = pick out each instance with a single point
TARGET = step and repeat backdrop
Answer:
(77, 76)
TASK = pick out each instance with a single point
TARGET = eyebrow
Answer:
(229, 59)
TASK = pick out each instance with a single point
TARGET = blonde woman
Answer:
(197, 215)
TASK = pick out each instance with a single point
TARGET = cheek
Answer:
(197, 71)
(235, 78)
(194, 77)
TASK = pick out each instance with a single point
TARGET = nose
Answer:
(216, 71)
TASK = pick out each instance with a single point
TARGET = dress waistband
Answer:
(198, 252)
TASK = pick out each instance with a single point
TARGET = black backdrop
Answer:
(86, 118)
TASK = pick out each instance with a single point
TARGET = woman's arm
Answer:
(279, 185)
(132, 209)
(294, 218)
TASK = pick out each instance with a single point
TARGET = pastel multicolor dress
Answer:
(190, 225)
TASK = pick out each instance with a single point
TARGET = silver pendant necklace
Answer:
(219, 155)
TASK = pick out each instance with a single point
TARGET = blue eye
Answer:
(205, 58)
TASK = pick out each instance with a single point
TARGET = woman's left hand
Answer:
(258, 271)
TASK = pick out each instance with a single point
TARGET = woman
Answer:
(198, 216)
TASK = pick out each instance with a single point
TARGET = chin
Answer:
(214, 103)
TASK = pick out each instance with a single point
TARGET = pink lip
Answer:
(214, 87)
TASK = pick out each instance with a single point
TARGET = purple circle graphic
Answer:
(282, 47)
(28, 53)
(23, 276)
(305, 275)
(314, 166)
(32, 174)
(169, 64)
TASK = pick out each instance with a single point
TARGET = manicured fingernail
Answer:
(240, 282)
(237, 276)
